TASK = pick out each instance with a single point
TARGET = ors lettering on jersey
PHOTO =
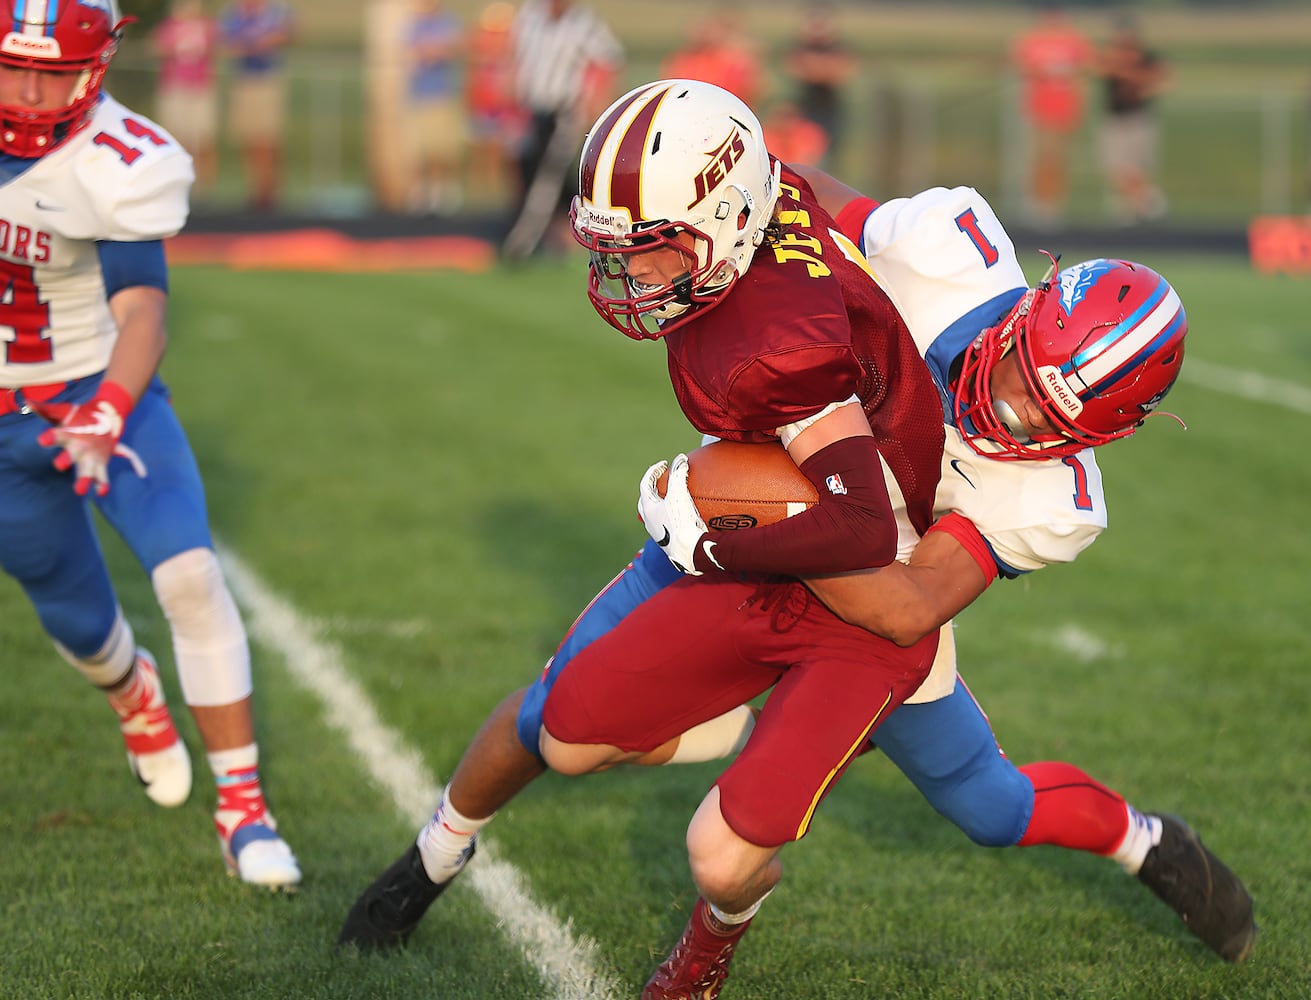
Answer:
(24, 243)
(721, 162)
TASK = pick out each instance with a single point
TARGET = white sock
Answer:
(734, 919)
(722, 736)
(224, 762)
(1144, 833)
(446, 842)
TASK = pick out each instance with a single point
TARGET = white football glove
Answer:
(672, 520)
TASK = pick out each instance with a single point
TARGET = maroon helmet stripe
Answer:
(596, 140)
(626, 179)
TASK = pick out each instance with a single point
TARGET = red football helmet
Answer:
(668, 158)
(68, 36)
(1099, 346)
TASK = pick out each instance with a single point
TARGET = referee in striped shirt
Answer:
(566, 61)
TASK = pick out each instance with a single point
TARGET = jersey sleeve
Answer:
(776, 390)
(135, 177)
(1031, 514)
(939, 255)
(1024, 549)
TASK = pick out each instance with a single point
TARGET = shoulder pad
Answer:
(136, 178)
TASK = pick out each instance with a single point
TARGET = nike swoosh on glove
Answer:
(88, 436)
(672, 520)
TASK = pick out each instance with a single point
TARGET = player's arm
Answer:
(831, 193)
(949, 568)
(851, 527)
(87, 434)
(136, 285)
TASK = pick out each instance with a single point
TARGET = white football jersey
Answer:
(122, 178)
(949, 267)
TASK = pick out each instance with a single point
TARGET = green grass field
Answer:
(428, 475)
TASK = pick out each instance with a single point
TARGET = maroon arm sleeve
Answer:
(852, 526)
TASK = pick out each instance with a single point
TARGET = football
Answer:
(744, 485)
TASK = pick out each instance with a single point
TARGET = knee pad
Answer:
(209, 639)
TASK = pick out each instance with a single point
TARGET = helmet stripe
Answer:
(1148, 330)
(1172, 333)
(1126, 336)
(35, 17)
(626, 175)
(1124, 327)
(596, 140)
(604, 156)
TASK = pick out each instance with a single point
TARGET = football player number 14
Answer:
(135, 128)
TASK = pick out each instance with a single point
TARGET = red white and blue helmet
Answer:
(667, 158)
(70, 36)
(1099, 345)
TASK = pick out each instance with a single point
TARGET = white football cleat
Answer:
(248, 836)
(155, 752)
(259, 856)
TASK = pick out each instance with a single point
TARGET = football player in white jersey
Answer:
(1031, 379)
(88, 192)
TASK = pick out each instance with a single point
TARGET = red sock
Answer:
(1072, 810)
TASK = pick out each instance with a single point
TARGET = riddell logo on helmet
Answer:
(27, 45)
(591, 217)
(1059, 390)
(721, 162)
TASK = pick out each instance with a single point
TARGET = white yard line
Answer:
(1079, 643)
(567, 964)
(1248, 385)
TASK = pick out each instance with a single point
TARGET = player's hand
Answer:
(88, 436)
(672, 520)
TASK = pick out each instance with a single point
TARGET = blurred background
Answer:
(916, 94)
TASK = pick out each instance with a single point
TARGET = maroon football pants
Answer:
(704, 645)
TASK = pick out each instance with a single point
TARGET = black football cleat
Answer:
(1198, 886)
(388, 910)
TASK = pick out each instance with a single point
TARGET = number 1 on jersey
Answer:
(968, 223)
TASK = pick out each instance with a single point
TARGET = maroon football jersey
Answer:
(807, 326)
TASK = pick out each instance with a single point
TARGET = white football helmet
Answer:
(671, 157)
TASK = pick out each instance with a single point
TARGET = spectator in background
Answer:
(186, 44)
(1133, 75)
(719, 51)
(1051, 59)
(255, 35)
(437, 126)
(566, 60)
(496, 122)
(821, 67)
(794, 138)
